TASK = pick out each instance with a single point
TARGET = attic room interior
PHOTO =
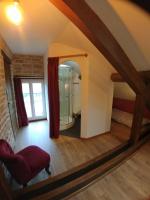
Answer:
(74, 99)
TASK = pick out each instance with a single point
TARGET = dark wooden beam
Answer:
(144, 4)
(97, 32)
(145, 75)
(115, 77)
(137, 119)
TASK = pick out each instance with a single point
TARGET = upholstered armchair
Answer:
(25, 164)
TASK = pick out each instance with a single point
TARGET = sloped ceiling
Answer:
(41, 25)
(44, 24)
(137, 21)
(119, 27)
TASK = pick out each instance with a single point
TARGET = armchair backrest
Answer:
(15, 163)
(6, 152)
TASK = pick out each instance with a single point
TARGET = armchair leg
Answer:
(47, 170)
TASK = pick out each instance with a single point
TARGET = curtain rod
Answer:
(74, 55)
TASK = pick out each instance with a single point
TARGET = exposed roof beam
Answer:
(97, 32)
(145, 75)
(144, 4)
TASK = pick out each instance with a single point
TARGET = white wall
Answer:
(100, 97)
(130, 39)
(123, 91)
(96, 89)
(137, 23)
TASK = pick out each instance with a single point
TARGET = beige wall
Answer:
(5, 123)
(123, 91)
(96, 89)
(28, 65)
(100, 96)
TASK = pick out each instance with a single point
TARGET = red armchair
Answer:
(25, 164)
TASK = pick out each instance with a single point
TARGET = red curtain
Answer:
(21, 111)
(53, 95)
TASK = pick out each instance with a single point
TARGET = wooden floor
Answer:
(131, 181)
(67, 152)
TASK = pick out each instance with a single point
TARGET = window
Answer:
(34, 98)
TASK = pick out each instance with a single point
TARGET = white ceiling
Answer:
(41, 25)
(44, 24)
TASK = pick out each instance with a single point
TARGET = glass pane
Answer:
(26, 97)
(65, 91)
(38, 100)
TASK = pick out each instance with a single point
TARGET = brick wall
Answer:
(5, 123)
(22, 65)
(28, 65)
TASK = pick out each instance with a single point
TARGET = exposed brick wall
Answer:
(22, 65)
(5, 123)
(28, 65)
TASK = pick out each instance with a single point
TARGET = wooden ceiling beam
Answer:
(145, 75)
(97, 32)
(144, 4)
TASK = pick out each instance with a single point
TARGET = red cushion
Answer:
(6, 151)
(25, 164)
(124, 105)
(127, 106)
(19, 169)
(36, 158)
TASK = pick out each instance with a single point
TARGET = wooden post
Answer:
(137, 119)
(5, 191)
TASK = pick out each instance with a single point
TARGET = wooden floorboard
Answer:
(131, 181)
(67, 152)
(70, 186)
(79, 181)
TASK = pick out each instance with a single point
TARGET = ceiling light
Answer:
(14, 13)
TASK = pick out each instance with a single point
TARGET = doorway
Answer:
(34, 98)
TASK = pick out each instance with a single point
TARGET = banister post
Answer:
(137, 119)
